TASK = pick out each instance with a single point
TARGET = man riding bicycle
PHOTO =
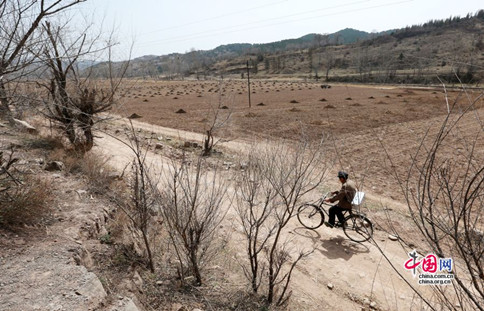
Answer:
(344, 197)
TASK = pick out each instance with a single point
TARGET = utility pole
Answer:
(248, 81)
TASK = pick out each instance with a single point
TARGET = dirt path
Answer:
(357, 272)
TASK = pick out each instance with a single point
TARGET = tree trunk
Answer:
(5, 112)
(195, 268)
(148, 249)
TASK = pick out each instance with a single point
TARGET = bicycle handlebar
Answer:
(326, 195)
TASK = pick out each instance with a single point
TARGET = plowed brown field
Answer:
(363, 125)
(280, 108)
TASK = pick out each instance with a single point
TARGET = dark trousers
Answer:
(335, 210)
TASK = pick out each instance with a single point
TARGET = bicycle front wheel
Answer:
(310, 216)
(358, 228)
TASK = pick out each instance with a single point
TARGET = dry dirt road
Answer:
(358, 274)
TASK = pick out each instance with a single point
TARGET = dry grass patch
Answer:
(91, 165)
(27, 203)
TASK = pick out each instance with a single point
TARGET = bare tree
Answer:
(255, 205)
(142, 203)
(314, 54)
(445, 198)
(76, 98)
(20, 20)
(269, 193)
(217, 119)
(363, 62)
(7, 179)
(329, 61)
(192, 200)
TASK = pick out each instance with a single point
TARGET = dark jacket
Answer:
(345, 195)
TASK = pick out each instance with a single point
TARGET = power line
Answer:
(214, 17)
(261, 21)
(213, 32)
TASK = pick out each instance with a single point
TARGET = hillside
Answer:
(206, 62)
(422, 54)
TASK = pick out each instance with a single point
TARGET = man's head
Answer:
(343, 176)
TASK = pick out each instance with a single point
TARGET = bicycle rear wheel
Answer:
(358, 228)
(310, 216)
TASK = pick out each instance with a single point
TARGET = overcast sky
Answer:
(161, 27)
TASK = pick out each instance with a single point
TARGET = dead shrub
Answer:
(92, 166)
(268, 194)
(99, 174)
(193, 203)
(26, 203)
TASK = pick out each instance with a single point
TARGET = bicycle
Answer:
(357, 227)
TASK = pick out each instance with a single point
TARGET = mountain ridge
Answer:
(346, 36)
(450, 49)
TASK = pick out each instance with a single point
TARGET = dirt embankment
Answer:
(53, 265)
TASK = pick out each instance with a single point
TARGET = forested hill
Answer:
(345, 36)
